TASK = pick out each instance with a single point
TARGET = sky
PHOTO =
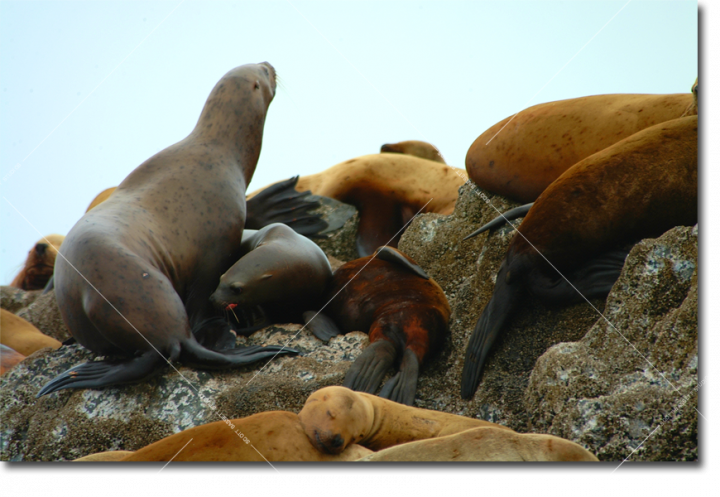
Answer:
(88, 91)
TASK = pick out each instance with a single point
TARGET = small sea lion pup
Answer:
(638, 188)
(521, 155)
(387, 190)
(281, 272)
(405, 313)
(39, 264)
(335, 417)
(143, 264)
(424, 150)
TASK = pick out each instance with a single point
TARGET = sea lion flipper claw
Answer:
(401, 387)
(508, 216)
(392, 255)
(321, 325)
(370, 368)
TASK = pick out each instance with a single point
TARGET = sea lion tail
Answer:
(508, 216)
(281, 203)
(489, 325)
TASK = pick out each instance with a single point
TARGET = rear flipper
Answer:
(593, 280)
(281, 203)
(508, 216)
(401, 387)
(105, 373)
(488, 327)
(322, 326)
(370, 368)
(194, 354)
(394, 256)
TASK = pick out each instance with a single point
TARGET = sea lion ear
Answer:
(266, 276)
(394, 256)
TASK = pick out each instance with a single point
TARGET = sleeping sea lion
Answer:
(404, 312)
(637, 188)
(39, 264)
(22, 336)
(418, 148)
(540, 143)
(335, 417)
(138, 269)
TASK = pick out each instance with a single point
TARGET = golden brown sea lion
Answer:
(335, 417)
(404, 312)
(9, 358)
(421, 149)
(540, 143)
(272, 436)
(39, 264)
(388, 190)
(107, 456)
(151, 254)
(22, 336)
(637, 188)
(486, 444)
(100, 198)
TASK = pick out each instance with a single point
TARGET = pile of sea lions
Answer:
(177, 261)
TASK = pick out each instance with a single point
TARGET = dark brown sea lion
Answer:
(638, 188)
(421, 149)
(39, 265)
(142, 265)
(540, 143)
(388, 190)
(281, 271)
(405, 313)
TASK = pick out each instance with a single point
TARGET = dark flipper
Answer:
(105, 373)
(194, 354)
(502, 219)
(593, 280)
(69, 341)
(401, 387)
(370, 368)
(390, 254)
(215, 334)
(281, 203)
(322, 326)
(489, 325)
(50, 285)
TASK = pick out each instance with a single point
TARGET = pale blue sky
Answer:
(81, 104)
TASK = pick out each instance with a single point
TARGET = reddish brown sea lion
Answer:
(421, 149)
(405, 313)
(142, 265)
(335, 417)
(540, 143)
(388, 190)
(39, 264)
(22, 336)
(638, 188)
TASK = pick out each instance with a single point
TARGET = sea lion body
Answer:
(335, 417)
(283, 272)
(486, 444)
(418, 148)
(540, 143)
(107, 456)
(405, 315)
(9, 358)
(388, 190)
(142, 265)
(272, 436)
(637, 188)
(22, 336)
(39, 265)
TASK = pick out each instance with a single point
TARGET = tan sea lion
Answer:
(9, 358)
(39, 264)
(151, 254)
(388, 190)
(404, 312)
(486, 444)
(107, 456)
(418, 148)
(100, 198)
(540, 143)
(637, 188)
(22, 336)
(272, 436)
(335, 417)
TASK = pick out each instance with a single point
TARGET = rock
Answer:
(338, 239)
(44, 314)
(13, 299)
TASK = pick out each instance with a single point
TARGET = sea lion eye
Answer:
(267, 73)
(257, 85)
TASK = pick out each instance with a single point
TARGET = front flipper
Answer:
(194, 354)
(105, 373)
(394, 256)
(502, 219)
(370, 368)
(281, 203)
(322, 326)
(401, 387)
(50, 285)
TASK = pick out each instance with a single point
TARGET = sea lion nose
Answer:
(385, 147)
(41, 248)
(337, 441)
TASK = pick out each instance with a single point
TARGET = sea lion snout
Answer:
(326, 441)
(41, 248)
